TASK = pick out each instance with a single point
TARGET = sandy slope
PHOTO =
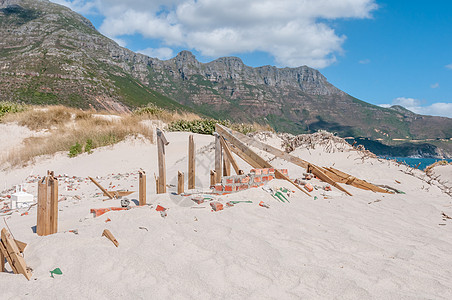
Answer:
(367, 246)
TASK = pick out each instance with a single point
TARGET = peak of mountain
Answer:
(50, 54)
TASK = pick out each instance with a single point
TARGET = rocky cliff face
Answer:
(50, 54)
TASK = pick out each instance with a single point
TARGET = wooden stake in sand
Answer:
(191, 162)
(226, 166)
(142, 188)
(180, 183)
(212, 177)
(47, 216)
(228, 154)
(110, 236)
(218, 158)
(161, 143)
(11, 252)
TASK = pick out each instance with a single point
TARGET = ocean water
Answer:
(413, 162)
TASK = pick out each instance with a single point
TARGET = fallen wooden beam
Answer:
(11, 252)
(258, 162)
(101, 188)
(356, 182)
(117, 194)
(110, 236)
(319, 172)
(229, 156)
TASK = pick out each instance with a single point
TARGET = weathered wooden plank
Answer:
(141, 188)
(21, 246)
(161, 143)
(191, 162)
(110, 236)
(180, 183)
(356, 182)
(231, 158)
(53, 205)
(218, 158)
(42, 208)
(317, 171)
(259, 162)
(212, 177)
(15, 260)
(2, 258)
(109, 195)
(226, 166)
(117, 194)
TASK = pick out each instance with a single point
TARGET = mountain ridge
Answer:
(52, 55)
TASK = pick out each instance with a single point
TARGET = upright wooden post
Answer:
(157, 185)
(142, 188)
(2, 262)
(42, 207)
(218, 158)
(191, 162)
(53, 205)
(226, 166)
(180, 183)
(161, 143)
(212, 177)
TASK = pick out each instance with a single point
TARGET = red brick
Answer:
(246, 179)
(257, 179)
(216, 206)
(229, 180)
(308, 187)
(218, 187)
(264, 178)
(256, 171)
(284, 171)
(271, 171)
(270, 177)
(243, 187)
(228, 188)
(265, 171)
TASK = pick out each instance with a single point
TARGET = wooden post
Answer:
(226, 166)
(227, 152)
(218, 158)
(180, 183)
(191, 162)
(2, 262)
(53, 205)
(157, 185)
(42, 207)
(161, 143)
(48, 222)
(212, 177)
(142, 188)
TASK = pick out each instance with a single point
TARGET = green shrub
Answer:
(89, 146)
(75, 150)
(10, 107)
(149, 109)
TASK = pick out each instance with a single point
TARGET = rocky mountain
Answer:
(50, 54)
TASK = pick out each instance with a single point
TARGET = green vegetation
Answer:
(207, 126)
(75, 150)
(89, 146)
(7, 107)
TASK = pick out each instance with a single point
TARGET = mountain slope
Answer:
(50, 54)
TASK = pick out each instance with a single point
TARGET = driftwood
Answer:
(10, 251)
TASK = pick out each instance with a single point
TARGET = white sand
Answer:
(370, 245)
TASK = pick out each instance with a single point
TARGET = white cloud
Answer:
(80, 6)
(436, 109)
(294, 32)
(161, 53)
(364, 61)
(449, 66)
(435, 85)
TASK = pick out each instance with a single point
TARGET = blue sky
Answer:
(382, 52)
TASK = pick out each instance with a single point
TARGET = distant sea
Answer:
(413, 162)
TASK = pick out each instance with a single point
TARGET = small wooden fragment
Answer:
(191, 162)
(218, 158)
(180, 183)
(212, 177)
(161, 143)
(142, 188)
(101, 188)
(9, 249)
(110, 236)
(21, 246)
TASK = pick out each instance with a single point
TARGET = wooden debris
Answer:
(218, 158)
(191, 162)
(21, 246)
(230, 158)
(117, 194)
(343, 177)
(110, 236)
(47, 214)
(320, 173)
(212, 177)
(254, 159)
(180, 183)
(161, 143)
(142, 188)
(11, 252)
(226, 166)
(107, 193)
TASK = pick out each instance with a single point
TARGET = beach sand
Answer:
(369, 245)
